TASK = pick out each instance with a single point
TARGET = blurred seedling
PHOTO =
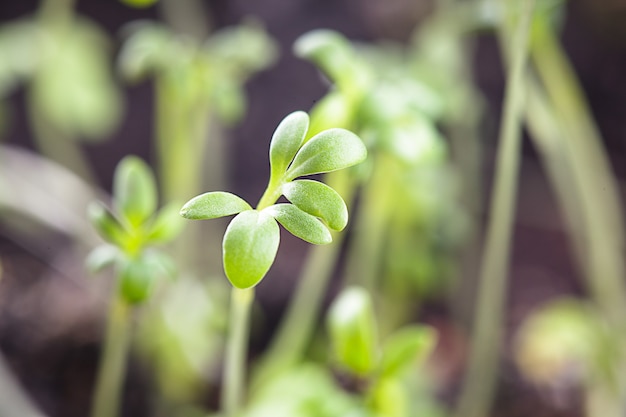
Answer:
(380, 371)
(252, 237)
(61, 58)
(567, 345)
(131, 229)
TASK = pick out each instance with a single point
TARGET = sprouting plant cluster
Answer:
(252, 237)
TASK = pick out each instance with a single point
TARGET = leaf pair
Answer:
(252, 238)
(135, 225)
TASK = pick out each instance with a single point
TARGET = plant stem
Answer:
(236, 351)
(110, 379)
(298, 323)
(590, 169)
(480, 379)
(371, 225)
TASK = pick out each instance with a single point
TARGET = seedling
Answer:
(252, 238)
(130, 230)
(353, 330)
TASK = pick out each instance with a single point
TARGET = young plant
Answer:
(353, 330)
(252, 238)
(130, 230)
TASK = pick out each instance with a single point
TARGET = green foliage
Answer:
(213, 72)
(62, 63)
(252, 237)
(406, 347)
(132, 229)
(318, 199)
(565, 339)
(213, 205)
(353, 331)
(307, 390)
(300, 223)
(352, 327)
(287, 139)
(249, 247)
(328, 151)
(134, 188)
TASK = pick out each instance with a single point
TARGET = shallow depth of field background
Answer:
(50, 331)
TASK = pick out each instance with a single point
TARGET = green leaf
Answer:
(101, 257)
(147, 49)
(407, 347)
(167, 224)
(319, 200)
(336, 57)
(330, 150)
(106, 224)
(134, 190)
(249, 247)
(76, 72)
(332, 111)
(287, 139)
(300, 224)
(390, 398)
(136, 280)
(352, 327)
(213, 205)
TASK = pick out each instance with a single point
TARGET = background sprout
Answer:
(131, 228)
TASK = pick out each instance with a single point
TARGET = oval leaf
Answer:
(101, 257)
(213, 205)
(107, 225)
(136, 280)
(286, 141)
(249, 248)
(300, 224)
(327, 151)
(134, 190)
(319, 200)
(352, 326)
(406, 347)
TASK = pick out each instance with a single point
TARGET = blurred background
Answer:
(74, 102)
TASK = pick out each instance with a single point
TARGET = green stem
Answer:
(480, 379)
(364, 255)
(236, 351)
(106, 402)
(591, 172)
(297, 326)
(189, 17)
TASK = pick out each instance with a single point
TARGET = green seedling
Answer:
(252, 238)
(61, 58)
(353, 331)
(130, 230)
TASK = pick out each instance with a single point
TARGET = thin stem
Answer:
(591, 172)
(297, 326)
(189, 17)
(236, 351)
(364, 254)
(480, 379)
(106, 402)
